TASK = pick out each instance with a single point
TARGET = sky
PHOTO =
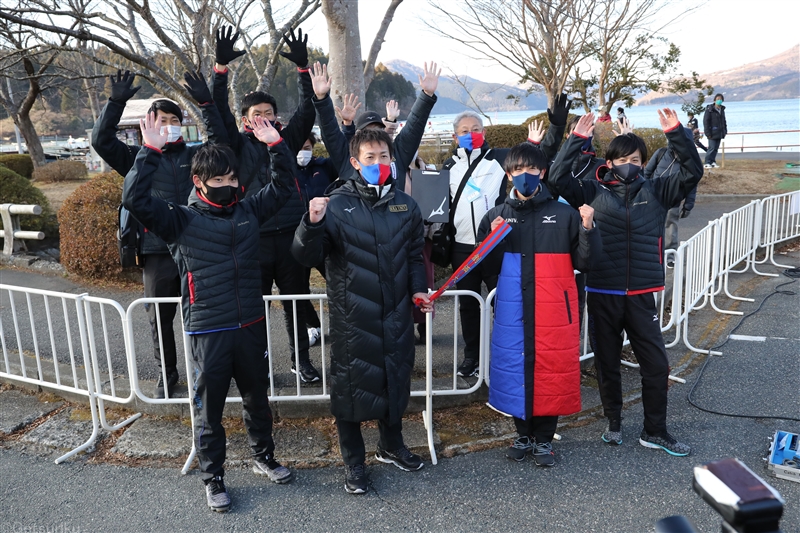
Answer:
(718, 35)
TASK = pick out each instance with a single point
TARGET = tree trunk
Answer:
(344, 46)
(35, 150)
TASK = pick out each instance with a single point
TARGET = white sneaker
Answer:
(313, 336)
(713, 165)
(706, 166)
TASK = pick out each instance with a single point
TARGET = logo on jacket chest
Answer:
(511, 220)
(548, 219)
(639, 203)
(243, 223)
(398, 208)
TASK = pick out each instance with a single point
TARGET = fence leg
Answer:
(427, 414)
(189, 385)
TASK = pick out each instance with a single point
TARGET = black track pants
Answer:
(161, 279)
(218, 357)
(609, 314)
(351, 441)
(469, 308)
(541, 428)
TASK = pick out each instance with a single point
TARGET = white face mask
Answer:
(173, 133)
(303, 157)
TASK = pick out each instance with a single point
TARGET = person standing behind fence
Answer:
(715, 127)
(630, 213)
(678, 157)
(370, 235)
(535, 364)
(214, 242)
(478, 183)
(172, 183)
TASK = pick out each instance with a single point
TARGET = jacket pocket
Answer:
(191, 288)
(569, 311)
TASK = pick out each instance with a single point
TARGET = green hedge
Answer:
(22, 164)
(15, 189)
(88, 219)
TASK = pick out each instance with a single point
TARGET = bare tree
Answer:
(540, 41)
(346, 66)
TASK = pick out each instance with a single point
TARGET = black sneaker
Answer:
(543, 454)
(172, 381)
(521, 447)
(468, 368)
(217, 495)
(665, 442)
(355, 479)
(308, 374)
(420, 338)
(613, 432)
(273, 470)
(402, 459)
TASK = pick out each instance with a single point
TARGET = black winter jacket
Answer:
(672, 160)
(405, 144)
(316, 177)
(254, 156)
(172, 180)
(630, 218)
(714, 124)
(373, 265)
(215, 247)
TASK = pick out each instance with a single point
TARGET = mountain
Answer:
(770, 79)
(453, 98)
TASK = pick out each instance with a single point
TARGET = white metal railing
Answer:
(11, 230)
(781, 222)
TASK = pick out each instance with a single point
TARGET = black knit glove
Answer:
(558, 115)
(685, 212)
(297, 54)
(121, 90)
(225, 52)
(196, 86)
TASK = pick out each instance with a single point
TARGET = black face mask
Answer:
(223, 196)
(626, 172)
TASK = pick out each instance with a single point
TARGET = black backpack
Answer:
(129, 242)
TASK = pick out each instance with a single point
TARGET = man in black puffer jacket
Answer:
(171, 183)
(213, 241)
(630, 213)
(715, 128)
(277, 264)
(370, 235)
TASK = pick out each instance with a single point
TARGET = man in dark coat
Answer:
(370, 234)
(715, 128)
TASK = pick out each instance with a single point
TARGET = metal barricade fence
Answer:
(780, 222)
(735, 242)
(79, 348)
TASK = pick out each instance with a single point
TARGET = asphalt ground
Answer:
(593, 487)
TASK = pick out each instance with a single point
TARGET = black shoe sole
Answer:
(304, 380)
(515, 459)
(398, 465)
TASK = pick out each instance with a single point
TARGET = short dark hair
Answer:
(258, 97)
(719, 95)
(214, 160)
(524, 155)
(365, 136)
(625, 145)
(312, 138)
(166, 106)
(620, 109)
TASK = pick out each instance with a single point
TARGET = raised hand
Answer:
(151, 131)
(317, 208)
(429, 80)
(264, 131)
(350, 105)
(625, 127)
(558, 115)
(587, 215)
(668, 119)
(298, 53)
(392, 110)
(196, 86)
(320, 80)
(585, 126)
(121, 90)
(536, 131)
(225, 52)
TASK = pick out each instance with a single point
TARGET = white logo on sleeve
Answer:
(655, 318)
(548, 219)
(351, 209)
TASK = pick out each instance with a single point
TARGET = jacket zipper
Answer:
(175, 179)
(235, 270)
(628, 239)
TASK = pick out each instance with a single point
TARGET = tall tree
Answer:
(350, 73)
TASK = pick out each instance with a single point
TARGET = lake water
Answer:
(751, 116)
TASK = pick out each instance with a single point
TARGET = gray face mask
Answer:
(173, 133)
